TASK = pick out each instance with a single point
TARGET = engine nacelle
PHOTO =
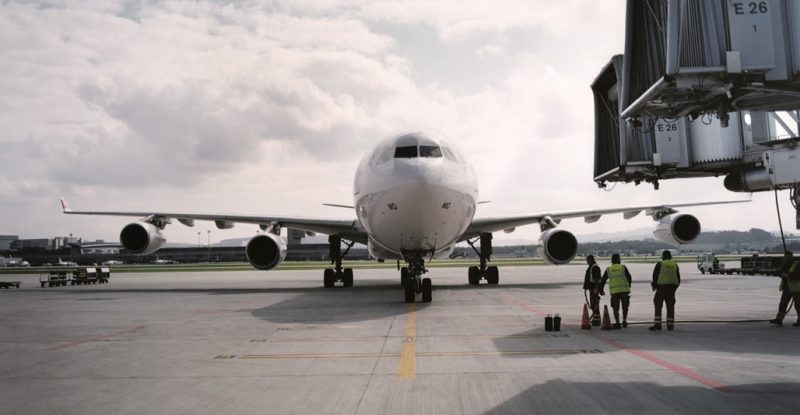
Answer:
(677, 229)
(265, 251)
(141, 238)
(558, 246)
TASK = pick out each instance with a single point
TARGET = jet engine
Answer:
(558, 246)
(677, 229)
(265, 251)
(141, 238)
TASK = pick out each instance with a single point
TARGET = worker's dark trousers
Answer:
(786, 296)
(665, 294)
(594, 303)
(618, 298)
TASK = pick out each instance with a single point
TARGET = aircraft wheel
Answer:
(329, 277)
(403, 276)
(493, 276)
(347, 278)
(426, 290)
(473, 276)
(409, 290)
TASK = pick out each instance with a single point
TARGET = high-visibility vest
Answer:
(668, 274)
(617, 282)
(793, 281)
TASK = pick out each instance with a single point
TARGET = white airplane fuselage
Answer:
(414, 195)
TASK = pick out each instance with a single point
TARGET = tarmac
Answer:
(278, 343)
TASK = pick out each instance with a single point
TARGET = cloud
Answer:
(257, 107)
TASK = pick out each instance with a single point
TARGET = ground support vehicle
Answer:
(709, 262)
(90, 275)
(9, 284)
(752, 265)
(62, 276)
(55, 277)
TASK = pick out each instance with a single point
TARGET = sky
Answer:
(266, 107)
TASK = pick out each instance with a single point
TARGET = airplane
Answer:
(415, 197)
(66, 263)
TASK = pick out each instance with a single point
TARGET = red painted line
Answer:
(685, 372)
(96, 339)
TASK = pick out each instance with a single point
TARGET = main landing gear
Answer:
(334, 275)
(489, 273)
(413, 283)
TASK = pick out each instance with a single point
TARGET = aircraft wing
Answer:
(347, 229)
(509, 223)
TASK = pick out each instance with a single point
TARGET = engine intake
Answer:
(141, 238)
(677, 229)
(558, 246)
(265, 251)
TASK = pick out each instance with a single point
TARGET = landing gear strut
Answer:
(336, 274)
(413, 283)
(489, 273)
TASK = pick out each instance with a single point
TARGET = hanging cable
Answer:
(780, 222)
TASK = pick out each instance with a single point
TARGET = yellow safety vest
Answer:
(668, 274)
(617, 282)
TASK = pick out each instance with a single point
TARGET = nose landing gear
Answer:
(413, 283)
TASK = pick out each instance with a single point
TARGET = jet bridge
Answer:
(693, 57)
(705, 88)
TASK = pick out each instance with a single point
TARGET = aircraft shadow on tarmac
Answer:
(366, 300)
(564, 397)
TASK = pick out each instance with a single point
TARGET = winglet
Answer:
(65, 206)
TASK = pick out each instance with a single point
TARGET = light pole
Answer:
(208, 253)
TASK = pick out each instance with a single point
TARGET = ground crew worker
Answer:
(666, 279)
(619, 285)
(592, 283)
(790, 289)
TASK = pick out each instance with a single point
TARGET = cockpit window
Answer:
(405, 152)
(449, 155)
(384, 155)
(430, 151)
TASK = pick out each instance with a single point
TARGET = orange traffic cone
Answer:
(606, 319)
(585, 323)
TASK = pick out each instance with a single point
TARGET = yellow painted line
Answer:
(407, 369)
